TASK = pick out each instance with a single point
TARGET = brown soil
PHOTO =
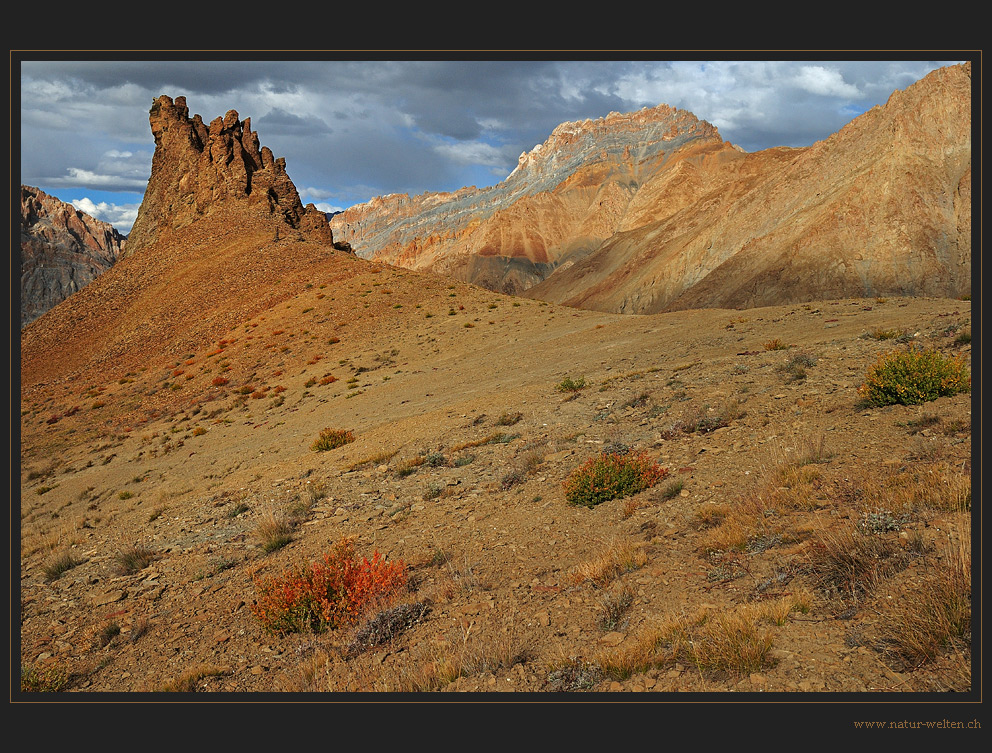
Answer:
(188, 470)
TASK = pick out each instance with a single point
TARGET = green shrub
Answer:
(43, 679)
(913, 376)
(571, 385)
(332, 438)
(612, 476)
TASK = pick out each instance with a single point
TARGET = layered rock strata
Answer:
(653, 211)
(62, 250)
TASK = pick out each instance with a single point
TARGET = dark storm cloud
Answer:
(352, 129)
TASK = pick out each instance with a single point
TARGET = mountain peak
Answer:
(197, 169)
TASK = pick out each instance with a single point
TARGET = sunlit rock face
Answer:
(653, 210)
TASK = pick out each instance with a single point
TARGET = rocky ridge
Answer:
(62, 250)
(198, 170)
(653, 211)
(564, 198)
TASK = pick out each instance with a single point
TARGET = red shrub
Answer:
(219, 381)
(326, 594)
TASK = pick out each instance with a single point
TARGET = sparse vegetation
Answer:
(61, 564)
(937, 615)
(188, 681)
(705, 419)
(615, 559)
(274, 531)
(795, 367)
(386, 625)
(44, 678)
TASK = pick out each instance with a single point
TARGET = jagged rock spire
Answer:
(197, 169)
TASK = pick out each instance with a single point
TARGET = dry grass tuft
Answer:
(274, 531)
(852, 562)
(936, 616)
(60, 564)
(134, 558)
(189, 680)
(613, 561)
(738, 525)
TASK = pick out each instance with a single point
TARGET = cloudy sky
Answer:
(351, 130)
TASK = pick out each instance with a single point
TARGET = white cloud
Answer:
(121, 216)
(315, 193)
(825, 82)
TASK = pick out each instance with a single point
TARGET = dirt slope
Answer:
(466, 380)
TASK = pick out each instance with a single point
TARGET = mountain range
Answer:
(653, 211)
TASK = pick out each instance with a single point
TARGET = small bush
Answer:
(329, 439)
(882, 334)
(435, 460)
(511, 479)
(386, 625)
(775, 344)
(328, 593)
(913, 376)
(612, 476)
(43, 679)
(571, 385)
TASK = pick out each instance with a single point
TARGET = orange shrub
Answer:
(327, 594)
(219, 381)
(330, 439)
